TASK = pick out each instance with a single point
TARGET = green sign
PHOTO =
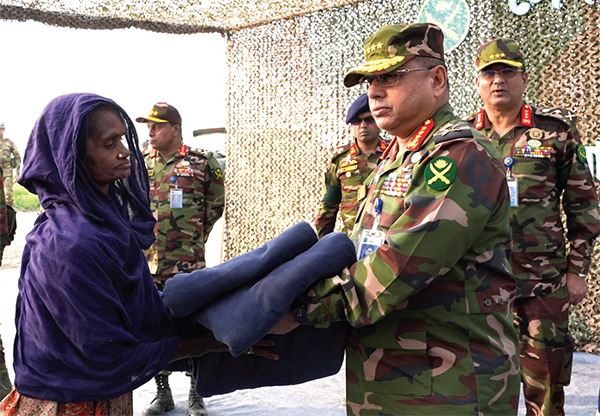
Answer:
(452, 16)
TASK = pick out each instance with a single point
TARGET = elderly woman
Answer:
(91, 326)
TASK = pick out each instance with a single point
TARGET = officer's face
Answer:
(402, 108)
(1, 131)
(107, 156)
(364, 128)
(164, 137)
(501, 92)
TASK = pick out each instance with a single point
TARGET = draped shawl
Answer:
(90, 323)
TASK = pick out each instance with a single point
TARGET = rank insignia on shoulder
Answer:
(440, 173)
(217, 173)
(581, 153)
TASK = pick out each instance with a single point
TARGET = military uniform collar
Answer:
(482, 120)
(424, 133)
(181, 152)
(355, 149)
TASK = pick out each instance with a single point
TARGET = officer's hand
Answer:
(577, 287)
(285, 325)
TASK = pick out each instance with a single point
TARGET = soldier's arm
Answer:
(330, 202)
(17, 158)
(423, 244)
(580, 204)
(214, 193)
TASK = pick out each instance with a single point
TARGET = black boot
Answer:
(195, 403)
(163, 402)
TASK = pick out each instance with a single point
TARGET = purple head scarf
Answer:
(90, 323)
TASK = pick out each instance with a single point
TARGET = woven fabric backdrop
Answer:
(287, 104)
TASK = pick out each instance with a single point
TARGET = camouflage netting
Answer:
(286, 101)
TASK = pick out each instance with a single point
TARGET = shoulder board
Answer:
(196, 151)
(567, 117)
(339, 150)
(449, 131)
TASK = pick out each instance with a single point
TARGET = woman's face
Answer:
(107, 155)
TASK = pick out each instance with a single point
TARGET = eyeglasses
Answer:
(389, 79)
(506, 73)
(358, 121)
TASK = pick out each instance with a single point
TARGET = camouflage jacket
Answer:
(9, 156)
(347, 171)
(432, 307)
(182, 232)
(549, 163)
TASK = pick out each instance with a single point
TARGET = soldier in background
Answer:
(187, 197)
(545, 161)
(9, 160)
(350, 165)
(430, 308)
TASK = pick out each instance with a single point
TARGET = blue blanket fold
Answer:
(307, 353)
(188, 292)
(240, 312)
(244, 316)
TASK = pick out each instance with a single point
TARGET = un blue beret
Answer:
(361, 105)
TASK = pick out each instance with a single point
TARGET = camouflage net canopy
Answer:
(286, 101)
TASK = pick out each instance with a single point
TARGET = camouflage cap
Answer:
(162, 113)
(394, 45)
(503, 51)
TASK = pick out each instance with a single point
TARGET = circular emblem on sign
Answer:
(452, 16)
(440, 173)
(581, 153)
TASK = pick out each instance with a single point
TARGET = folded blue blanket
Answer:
(188, 292)
(245, 297)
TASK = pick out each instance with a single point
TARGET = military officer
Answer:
(10, 159)
(187, 197)
(545, 163)
(350, 165)
(431, 305)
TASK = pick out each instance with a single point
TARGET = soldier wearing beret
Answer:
(187, 197)
(350, 165)
(431, 305)
(545, 162)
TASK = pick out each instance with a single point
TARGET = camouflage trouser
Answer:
(546, 351)
(7, 177)
(5, 384)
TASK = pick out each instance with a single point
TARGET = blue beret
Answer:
(361, 105)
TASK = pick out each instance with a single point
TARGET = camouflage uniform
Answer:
(432, 307)
(182, 232)
(347, 171)
(549, 161)
(9, 160)
(546, 156)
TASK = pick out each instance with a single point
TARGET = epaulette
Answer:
(449, 131)
(341, 149)
(565, 116)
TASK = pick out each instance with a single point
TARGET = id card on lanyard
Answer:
(176, 197)
(513, 183)
(371, 239)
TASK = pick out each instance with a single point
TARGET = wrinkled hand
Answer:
(577, 287)
(285, 325)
